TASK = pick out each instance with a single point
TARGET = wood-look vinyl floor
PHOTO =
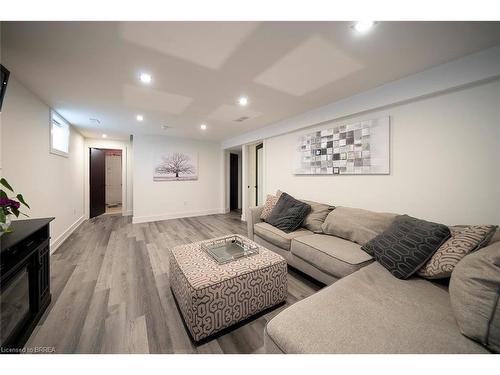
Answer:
(111, 293)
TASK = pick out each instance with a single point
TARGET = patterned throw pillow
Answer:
(271, 201)
(407, 245)
(464, 240)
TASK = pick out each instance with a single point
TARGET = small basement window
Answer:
(59, 135)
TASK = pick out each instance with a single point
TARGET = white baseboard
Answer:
(177, 215)
(59, 240)
(128, 213)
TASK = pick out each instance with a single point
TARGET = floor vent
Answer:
(241, 119)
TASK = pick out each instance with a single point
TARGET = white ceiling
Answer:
(90, 69)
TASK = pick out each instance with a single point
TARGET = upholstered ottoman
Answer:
(213, 296)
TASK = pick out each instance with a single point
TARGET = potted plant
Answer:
(9, 207)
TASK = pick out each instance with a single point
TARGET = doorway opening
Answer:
(254, 176)
(234, 179)
(105, 181)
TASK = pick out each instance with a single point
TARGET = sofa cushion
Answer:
(371, 311)
(475, 296)
(271, 201)
(276, 236)
(316, 216)
(288, 213)
(495, 237)
(464, 240)
(332, 255)
(356, 225)
(407, 245)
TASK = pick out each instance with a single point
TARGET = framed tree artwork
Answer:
(176, 166)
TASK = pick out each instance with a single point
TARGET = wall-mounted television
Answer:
(4, 78)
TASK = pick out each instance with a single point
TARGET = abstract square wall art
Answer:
(357, 148)
(176, 166)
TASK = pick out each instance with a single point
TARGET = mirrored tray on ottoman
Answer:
(230, 248)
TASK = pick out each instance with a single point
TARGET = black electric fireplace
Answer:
(24, 281)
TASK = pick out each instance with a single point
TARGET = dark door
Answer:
(233, 182)
(97, 182)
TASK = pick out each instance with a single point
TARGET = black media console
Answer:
(24, 281)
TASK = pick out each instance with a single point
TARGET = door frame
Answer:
(238, 173)
(257, 148)
(109, 145)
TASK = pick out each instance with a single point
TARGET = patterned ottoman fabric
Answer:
(214, 296)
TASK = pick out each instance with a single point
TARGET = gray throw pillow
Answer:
(316, 216)
(474, 296)
(407, 245)
(288, 213)
(356, 225)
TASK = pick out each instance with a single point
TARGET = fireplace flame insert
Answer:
(24, 281)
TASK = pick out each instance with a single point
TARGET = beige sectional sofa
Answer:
(366, 309)
(325, 258)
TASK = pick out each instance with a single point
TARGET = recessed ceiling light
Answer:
(145, 78)
(105, 136)
(243, 101)
(363, 26)
(139, 118)
(203, 126)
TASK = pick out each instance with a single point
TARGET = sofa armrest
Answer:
(253, 217)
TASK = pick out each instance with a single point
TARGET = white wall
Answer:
(445, 161)
(127, 170)
(160, 200)
(51, 184)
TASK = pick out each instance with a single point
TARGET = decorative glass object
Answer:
(230, 248)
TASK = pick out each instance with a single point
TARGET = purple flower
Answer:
(6, 202)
